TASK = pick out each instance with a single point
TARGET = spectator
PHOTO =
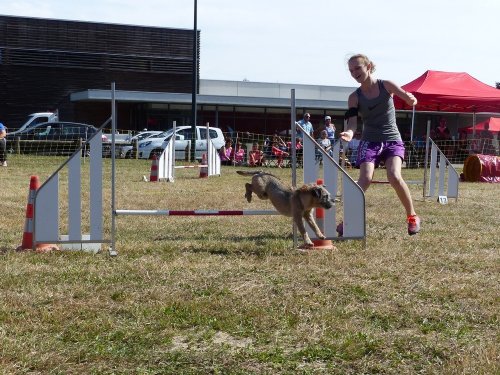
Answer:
(324, 141)
(442, 137)
(238, 154)
(298, 143)
(330, 129)
(279, 153)
(225, 152)
(255, 156)
(280, 143)
(3, 145)
(442, 133)
(306, 125)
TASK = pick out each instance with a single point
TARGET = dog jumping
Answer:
(296, 203)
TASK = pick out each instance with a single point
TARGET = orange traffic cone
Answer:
(27, 243)
(320, 220)
(204, 166)
(153, 175)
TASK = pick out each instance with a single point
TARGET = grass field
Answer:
(229, 295)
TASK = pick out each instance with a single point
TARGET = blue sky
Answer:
(308, 42)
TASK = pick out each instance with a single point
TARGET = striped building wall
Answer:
(42, 61)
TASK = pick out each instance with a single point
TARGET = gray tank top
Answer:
(379, 116)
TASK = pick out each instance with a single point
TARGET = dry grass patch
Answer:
(228, 295)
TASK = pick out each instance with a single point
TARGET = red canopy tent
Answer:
(451, 92)
(494, 123)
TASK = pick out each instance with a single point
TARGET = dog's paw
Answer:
(248, 197)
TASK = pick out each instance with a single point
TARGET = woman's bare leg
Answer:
(393, 166)
(366, 171)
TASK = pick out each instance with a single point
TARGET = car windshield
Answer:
(145, 135)
(165, 134)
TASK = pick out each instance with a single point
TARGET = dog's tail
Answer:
(248, 173)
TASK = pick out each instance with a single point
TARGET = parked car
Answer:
(156, 144)
(36, 118)
(145, 134)
(126, 150)
(52, 138)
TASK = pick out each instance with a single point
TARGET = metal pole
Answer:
(194, 82)
(172, 153)
(473, 125)
(426, 159)
(112, 249)
(411, 138)
(294, 156)
(412, 123)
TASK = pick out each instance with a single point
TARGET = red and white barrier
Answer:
(197, 212)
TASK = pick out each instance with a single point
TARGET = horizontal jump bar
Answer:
(191, 166)
(409, 182)
(196, 212)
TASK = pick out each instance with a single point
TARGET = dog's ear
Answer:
(317, 191)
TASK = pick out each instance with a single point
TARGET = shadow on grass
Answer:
(203, 237)
(267, 244)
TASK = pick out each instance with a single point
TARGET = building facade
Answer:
(44, 61)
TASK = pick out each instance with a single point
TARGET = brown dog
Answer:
(297, 203)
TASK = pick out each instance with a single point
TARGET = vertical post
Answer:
(172, 142)
(209, 148)
(408, 165)
(412, 123)
(473, 125)
(294, 156)
(112, 249)
(294, 139)
(426, 159)
(194, 82)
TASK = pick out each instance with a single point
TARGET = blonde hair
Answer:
(365, 60)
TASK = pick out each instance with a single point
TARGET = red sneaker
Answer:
(413, 224)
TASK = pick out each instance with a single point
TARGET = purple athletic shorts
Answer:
(375, 152)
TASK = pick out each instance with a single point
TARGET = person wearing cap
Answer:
(330, 129)
(3, 145)
(306, 125)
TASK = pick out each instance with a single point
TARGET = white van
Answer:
(36, 118)
(156, 144)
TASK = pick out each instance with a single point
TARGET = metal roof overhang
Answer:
(217, 100)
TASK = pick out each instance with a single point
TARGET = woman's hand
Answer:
(347, 135)
(411, 100)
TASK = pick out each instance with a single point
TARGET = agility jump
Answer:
(210, 165)
(47, 205)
